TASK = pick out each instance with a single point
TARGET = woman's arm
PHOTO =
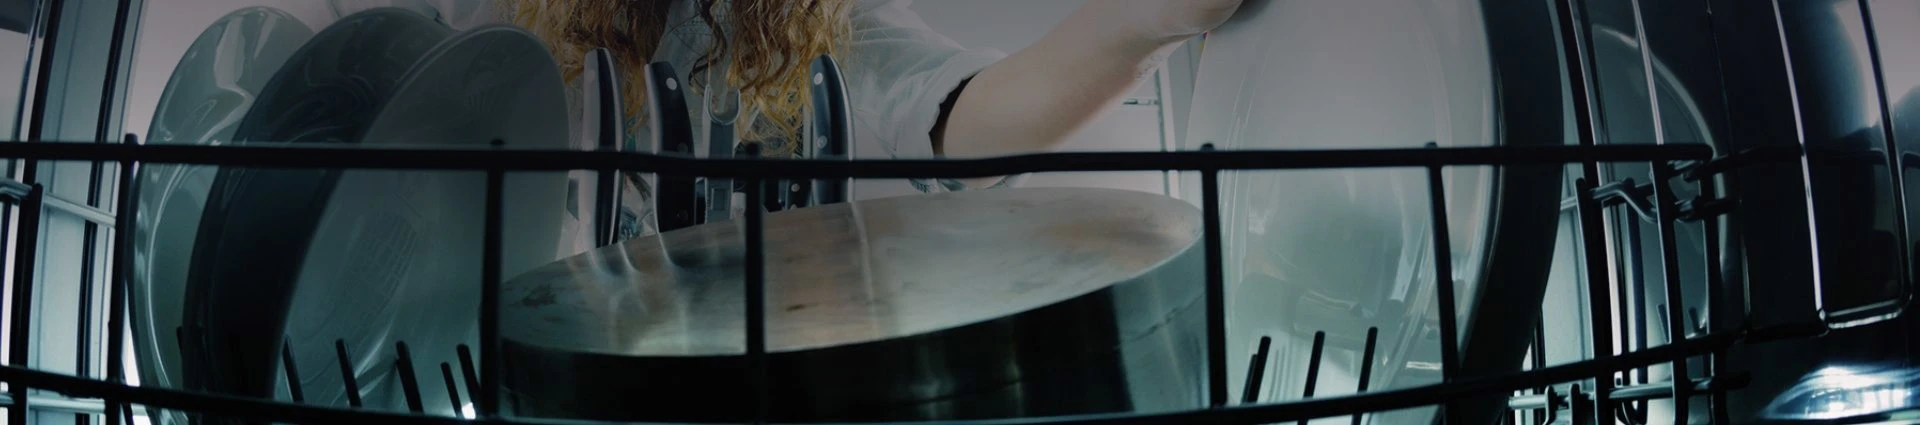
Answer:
(1039, 97)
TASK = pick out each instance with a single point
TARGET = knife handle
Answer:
(676, 203)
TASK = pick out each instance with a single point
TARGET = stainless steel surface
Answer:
(211, 89)
(395, 256)
(960, 305)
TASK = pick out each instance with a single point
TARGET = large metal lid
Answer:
(852, 273)
(979, 304)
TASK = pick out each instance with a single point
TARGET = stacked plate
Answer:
(1343, 250)
(237, 267)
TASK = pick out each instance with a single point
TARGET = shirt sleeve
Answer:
(899, 72)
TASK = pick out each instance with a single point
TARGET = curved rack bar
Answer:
(1271, 413)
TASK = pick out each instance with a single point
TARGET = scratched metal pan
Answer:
(211, 89)
(982, 304)
(1341, 251)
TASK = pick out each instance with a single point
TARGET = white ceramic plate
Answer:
(397, 254)
(1341, 250)
(213, 86)
(258, 223)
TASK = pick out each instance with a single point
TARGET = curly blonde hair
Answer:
(770, 43)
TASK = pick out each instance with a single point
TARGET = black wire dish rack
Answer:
(481, 371)
(1681, 162)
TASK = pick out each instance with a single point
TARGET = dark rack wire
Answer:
(484, 388)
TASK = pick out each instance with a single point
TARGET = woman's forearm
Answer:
(1039, 97)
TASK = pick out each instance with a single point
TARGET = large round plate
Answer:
(214, 85)
(980, 304)
(1344, 250)
(253, 238)
(396, 258)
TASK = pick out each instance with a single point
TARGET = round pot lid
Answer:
(211, 89)
(1034, 301)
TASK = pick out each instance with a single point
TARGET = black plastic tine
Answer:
(351, 385)
(1694, 325)
(1313, 366)
(1443, 273)
(292, 372)
(1366, 366)
(1539, 362)
(1256, 371)
(1599, 280)
(486, 402)
(21, 302)
(189, 357)
(453, 389)
(1717, 400)
(1632, 293)
(1216, 291)
(409, 383)
(466, 370)
(126, 413)
(126, 212)
(1665, 319)
(1553, 406)
(756, 293)
(1676, 297)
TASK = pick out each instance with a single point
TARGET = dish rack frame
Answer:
(1675, 161)
(1599, 403)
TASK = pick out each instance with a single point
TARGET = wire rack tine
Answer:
(19, 345)
(292, 372)
(453, 389)
(1599, 282)
(468, 374)
(347, 380)
(487, 400)
(1677, 324)
(1366, 366)
(1716, 300)
(756, 294)
(1443, 272)
(409, 382)
(1313, 366)
(1216, 292)
(1256, 371)
(120, 281)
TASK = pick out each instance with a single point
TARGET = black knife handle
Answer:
(676, 201)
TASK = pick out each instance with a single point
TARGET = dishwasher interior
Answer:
(1364, 211)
